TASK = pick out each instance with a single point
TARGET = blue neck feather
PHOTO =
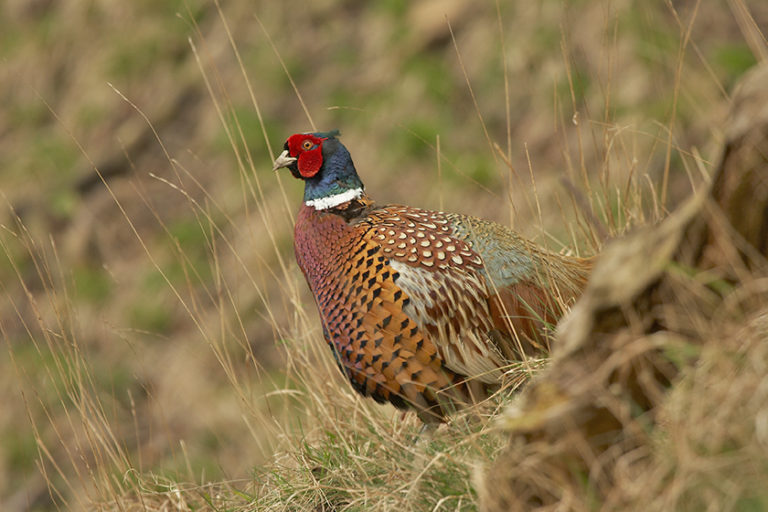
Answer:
(337, 176)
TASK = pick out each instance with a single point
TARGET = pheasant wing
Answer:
(443, 276)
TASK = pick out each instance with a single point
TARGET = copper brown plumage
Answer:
(421, 308)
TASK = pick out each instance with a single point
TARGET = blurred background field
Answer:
(153, 319)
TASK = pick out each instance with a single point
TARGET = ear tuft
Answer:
(328, 135)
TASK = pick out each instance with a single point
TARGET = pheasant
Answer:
(421, 308)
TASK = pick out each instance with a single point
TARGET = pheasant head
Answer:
(325, 166)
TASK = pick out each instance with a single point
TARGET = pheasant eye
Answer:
(307, 145)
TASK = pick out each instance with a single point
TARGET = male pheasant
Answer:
(421, 308)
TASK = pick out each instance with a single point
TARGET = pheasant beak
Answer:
(284, 160)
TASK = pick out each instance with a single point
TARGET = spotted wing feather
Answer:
(482, 292)
(444, 277)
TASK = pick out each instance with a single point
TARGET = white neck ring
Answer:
(323, 203)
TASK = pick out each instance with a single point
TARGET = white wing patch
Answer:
(451, 306)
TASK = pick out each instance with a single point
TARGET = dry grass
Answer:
(656, 405)
(163, 350)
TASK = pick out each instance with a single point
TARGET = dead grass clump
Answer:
(657, 397)
(709, 451)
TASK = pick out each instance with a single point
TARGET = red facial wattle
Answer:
(308, 149)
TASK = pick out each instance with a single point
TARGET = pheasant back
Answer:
(408, 305)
